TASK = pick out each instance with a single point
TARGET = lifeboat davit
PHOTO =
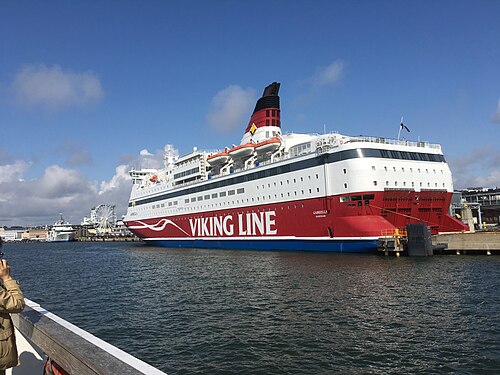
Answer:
(218, 159)
(269, 145)
(242, 151)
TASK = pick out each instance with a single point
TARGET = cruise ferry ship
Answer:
(277, 191)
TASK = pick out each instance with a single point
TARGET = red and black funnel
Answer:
(267, 109)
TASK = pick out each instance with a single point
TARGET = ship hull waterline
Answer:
(327, 245)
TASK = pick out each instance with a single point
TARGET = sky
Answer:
(91, 89)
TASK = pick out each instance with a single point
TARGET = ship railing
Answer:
(396, 232)
(389, 141)
(40, 333)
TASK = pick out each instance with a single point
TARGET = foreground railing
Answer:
(77, 351)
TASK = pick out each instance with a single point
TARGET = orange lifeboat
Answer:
(153, 178)
(242, 151)
(218, 159)
(269, 145)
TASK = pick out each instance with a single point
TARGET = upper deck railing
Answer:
(396, 142)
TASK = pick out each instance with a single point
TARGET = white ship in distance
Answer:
(61, 231)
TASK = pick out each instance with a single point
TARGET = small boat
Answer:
(269, 145)
(242, 151)
(218, 159)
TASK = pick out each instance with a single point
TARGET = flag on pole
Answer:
(403, 126)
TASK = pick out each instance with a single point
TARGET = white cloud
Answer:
(231, 107)
(120, 178)
(54, 89)
(39, 200)
(479, 167)
(328, 75)
(496, 116)
(14, 171)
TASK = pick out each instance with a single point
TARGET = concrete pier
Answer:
(468, 243)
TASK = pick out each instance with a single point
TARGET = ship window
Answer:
(287, 181)
(267, 122)
(387, 183)
(345, 186)
(294, 180)
(317, 176)
(385, 168)
(240, 190)
(267, 134)
(222, 194)
(310, 191)
(175, 203)
(200, 198)
(374, 183)
(317, 189)
(302, 191)
(273, 113)
(214, 195)
(207, 196)
(368, 197)
(230, 192)
(373, 167)
(395, 183)
(345, 171)
(404, 183)
(163, 204)
(413, 184)
(193, 199)
(267, 113)
(288, 194)
(274, 122)
(301, 179)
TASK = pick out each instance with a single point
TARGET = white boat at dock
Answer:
(61, 231)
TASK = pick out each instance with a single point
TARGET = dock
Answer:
(416, 240)
(40, 333)
(467, 243)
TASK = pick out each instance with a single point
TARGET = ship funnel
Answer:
(266, 113)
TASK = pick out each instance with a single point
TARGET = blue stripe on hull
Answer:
(334, 246)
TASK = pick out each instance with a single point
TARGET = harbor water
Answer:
(210, 311)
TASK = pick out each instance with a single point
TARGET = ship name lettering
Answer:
(249, 224)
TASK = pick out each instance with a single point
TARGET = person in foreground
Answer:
(11, 301)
